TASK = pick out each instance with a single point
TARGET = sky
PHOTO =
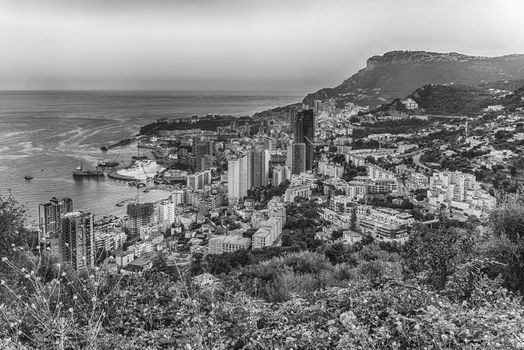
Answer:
(234, 44)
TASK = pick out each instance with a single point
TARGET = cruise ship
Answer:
(80, 172)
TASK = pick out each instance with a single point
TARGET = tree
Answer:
(339, 253)
(436, 252)
(353, 222)
(505, 246)
(196, 265)
(12, 231)
(337, 234)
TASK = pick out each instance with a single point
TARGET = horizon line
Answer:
(147, 90)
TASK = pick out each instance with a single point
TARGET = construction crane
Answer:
(137, 197)
(144, 170)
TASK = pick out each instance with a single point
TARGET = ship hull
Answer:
(117, 176)
(88, 174)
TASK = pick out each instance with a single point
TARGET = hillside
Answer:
(512, 101)
(459, 100)
(398, 73)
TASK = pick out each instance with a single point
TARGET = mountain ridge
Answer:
(396, 74)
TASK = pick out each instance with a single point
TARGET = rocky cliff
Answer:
(397, 74)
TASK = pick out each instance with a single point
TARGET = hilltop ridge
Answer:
(396, 74)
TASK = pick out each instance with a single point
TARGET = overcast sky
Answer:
(234, 44)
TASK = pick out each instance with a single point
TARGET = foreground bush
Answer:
(155, 313)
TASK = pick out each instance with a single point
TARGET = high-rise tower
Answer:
(304, 132)
(76, 240)
(49, 214)
(237, 178)
(298, 158)
(140, 215)
(260, 168)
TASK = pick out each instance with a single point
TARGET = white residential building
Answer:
(178, 197)
(276, 208)
(330, 169)
(385, 224)
(281, 173)
(409, 103)
(109, 241)
(227, 244)
(166, 213)
(376, 172)
(460, 191)
(237, 179)
(291, 193)
(268, 232)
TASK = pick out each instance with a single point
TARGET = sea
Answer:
(47, 134)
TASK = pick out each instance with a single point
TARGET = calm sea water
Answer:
(47, 134)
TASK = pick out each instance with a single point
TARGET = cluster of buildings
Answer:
(212, 176)
(268, 224)
(460, 192)
(67, 234)
(249, 170)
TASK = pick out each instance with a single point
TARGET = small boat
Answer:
(137, 184)
(121, 203)
(28, 177)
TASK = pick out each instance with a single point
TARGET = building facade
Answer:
(140, 215)
(49, 216)
(281, 173)
(304, 132)
(77, 241)
(237, 178)
(227, 244)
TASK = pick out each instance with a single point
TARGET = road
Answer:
(418, 163)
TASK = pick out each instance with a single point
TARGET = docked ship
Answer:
(80, 172)
(108, 164)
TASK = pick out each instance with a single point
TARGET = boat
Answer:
(121, 203)
(108, 164)
(135, 183)
(28, 177)
(117, 176)
(80, 172)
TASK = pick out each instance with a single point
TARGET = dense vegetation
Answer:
(391, 127)
(450, 99)
(449, 287)
(210, 122)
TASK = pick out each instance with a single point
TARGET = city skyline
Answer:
(233, 45)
